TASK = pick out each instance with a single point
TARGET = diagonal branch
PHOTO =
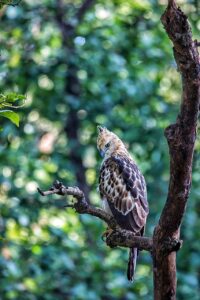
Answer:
(81, 206)
(118, 237)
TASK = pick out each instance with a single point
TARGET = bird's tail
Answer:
(133, 253)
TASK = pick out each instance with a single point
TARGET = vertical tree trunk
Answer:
(181, 139)
(165, 276)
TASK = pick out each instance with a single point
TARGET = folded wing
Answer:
(123, 186)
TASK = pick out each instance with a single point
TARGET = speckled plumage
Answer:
(122, 188)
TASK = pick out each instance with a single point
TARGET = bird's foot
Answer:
(106, 234)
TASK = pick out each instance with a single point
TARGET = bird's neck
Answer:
(120, 151)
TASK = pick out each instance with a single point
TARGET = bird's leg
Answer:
(107, 233)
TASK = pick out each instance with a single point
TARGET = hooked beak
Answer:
(100, 128)
(102, 152)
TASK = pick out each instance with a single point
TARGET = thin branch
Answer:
(81, 206)
(118, 237)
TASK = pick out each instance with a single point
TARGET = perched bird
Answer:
(122, 189)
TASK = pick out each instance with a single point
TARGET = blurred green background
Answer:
(109, 64)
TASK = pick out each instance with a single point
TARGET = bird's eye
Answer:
(107, 145)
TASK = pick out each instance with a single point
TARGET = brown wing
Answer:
(123, 185)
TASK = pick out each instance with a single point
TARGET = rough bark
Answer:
(181, 139)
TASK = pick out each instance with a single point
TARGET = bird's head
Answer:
(108, 143)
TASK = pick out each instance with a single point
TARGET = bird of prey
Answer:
(122, 189)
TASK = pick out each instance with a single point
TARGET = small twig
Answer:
(59, 189)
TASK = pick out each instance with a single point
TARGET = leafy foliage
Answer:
(129, 83)
(8, 101)
(9, 2)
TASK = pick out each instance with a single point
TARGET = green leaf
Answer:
(11, 115)
(12, 97)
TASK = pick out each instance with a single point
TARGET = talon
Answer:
(106, 234)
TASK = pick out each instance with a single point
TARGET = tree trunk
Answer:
(165, 276)
(181, 139)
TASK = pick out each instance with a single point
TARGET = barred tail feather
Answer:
(133, 253)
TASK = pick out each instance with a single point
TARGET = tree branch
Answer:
(118, 237)
(125, 238)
